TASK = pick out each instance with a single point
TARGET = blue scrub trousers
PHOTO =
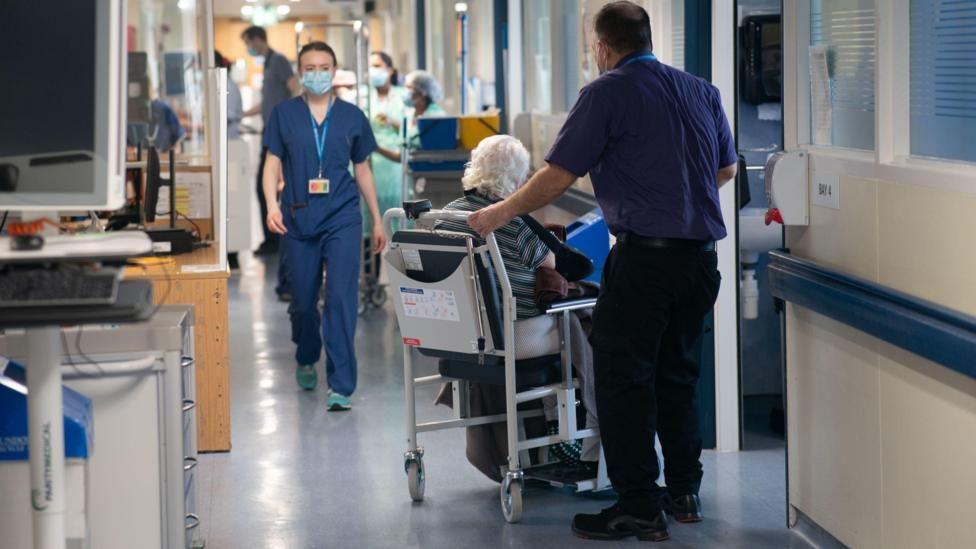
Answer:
(338, 248)
(282, 287)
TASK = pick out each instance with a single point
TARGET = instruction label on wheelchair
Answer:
(429, 304)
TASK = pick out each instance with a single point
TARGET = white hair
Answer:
(499, 165)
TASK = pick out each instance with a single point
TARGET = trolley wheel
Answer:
(511, 496)
(416, 479)
(378, 296)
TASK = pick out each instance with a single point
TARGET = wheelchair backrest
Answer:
(435, 297)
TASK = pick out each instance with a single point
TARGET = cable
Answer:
(186, 217)
(81, 327)
(195, 226)
(4, 221)
(28, 228)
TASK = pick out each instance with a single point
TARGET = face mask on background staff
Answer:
(378, 76)
(408, 98)
(317, 82)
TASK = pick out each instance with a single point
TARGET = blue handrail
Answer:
(929, 330)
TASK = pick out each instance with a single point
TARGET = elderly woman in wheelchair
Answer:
(498, 351)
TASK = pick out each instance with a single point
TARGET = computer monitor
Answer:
(155, 183)
(62, 108)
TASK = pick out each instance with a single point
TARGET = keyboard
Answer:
(57, 287)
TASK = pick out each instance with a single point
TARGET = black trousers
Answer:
(647, 335)
(270, 238)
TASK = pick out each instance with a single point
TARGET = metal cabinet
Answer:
(142, 471)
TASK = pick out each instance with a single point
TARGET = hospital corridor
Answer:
(432, 274)
(301, 477)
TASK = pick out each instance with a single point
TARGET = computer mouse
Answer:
(27, 242)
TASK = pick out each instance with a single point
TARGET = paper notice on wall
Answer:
(192, 195)
(822, 115)
(429, 304)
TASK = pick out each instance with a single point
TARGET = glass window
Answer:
(943, 79)
(166, 61)
(538, 55)
(842, 73)
(442, 49)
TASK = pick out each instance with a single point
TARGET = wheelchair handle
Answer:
(432, 215)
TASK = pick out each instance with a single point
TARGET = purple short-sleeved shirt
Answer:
(652, 138)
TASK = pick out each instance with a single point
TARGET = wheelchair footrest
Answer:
(563, 474)
(533, 372)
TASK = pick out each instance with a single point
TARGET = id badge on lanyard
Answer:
(319, 184)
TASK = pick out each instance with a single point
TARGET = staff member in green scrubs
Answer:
(420, 96)
(388, 110)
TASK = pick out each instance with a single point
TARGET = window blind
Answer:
(846, 28)
(943, 79)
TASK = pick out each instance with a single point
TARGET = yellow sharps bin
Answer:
(476, 127)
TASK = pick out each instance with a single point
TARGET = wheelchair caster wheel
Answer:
(416, 479)
(511, 497)
(378, 296)
(362, 306)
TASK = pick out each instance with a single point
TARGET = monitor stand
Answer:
(45, 414)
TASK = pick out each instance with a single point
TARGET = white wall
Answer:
(880, 445)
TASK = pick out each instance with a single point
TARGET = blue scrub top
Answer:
(290, 137)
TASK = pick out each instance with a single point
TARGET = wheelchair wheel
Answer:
(511, 497)
(416, 479)
(378, 296)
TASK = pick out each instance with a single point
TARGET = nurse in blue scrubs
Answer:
(314, 140)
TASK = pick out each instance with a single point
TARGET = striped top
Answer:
(522, 252)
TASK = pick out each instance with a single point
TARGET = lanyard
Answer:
(320, 143)
(644, 57)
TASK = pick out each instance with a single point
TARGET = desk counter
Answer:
(200, 279)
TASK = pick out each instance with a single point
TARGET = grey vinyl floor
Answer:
(300, 477)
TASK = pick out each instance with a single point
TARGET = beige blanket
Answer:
(487, 445)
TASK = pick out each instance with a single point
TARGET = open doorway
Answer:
(759, 129)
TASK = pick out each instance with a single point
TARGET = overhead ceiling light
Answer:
(284, 10)
(299, 26)
(252, 1)
(185, 5)
(461, 7)
(247, 11)
(296, 0)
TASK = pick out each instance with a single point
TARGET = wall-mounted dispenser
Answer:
(788, 188)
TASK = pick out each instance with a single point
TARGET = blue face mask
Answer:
(317, 82)
(252, 52)
(408, 98)
(378, 76)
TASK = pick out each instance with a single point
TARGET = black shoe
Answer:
(684, 509)
(615, 523)
(284, 297)
(267, 249)
(233, 262)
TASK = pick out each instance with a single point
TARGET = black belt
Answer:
(667, 243)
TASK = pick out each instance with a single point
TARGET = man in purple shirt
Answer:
(657, 146)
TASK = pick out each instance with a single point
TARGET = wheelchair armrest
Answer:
(571, 304)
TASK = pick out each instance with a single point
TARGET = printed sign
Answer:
(429, 304)
(826, 191)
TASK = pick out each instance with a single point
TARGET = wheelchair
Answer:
(454, 303)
